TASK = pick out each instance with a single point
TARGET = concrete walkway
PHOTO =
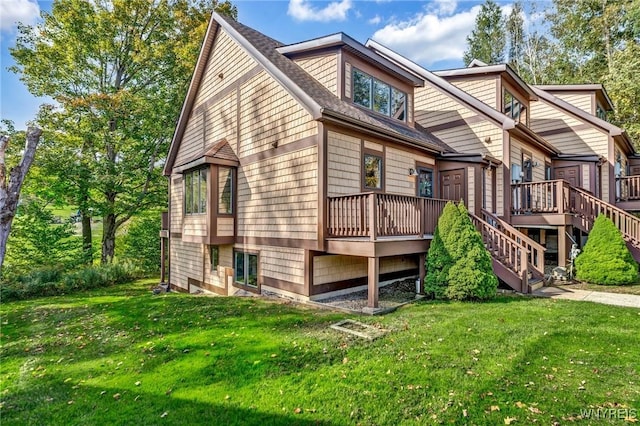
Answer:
(617, 299)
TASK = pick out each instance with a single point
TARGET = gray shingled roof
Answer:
(328, 102)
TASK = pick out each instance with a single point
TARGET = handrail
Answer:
(589, 207)
(536, 250)
(506, 250)
(560, 197)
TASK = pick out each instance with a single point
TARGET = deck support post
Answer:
(423, 272)
(374, 276)
(563, 248)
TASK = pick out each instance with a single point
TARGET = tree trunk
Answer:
(108, 238)
(87, 245)
(10, 191)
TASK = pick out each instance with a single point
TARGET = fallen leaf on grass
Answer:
(298, 410)
(137, 383)
(165, 414)
(116, 396)
(509, 420)
(464, 413)
(520, 404)
(535, 410)
(70, 402)
(495, 408)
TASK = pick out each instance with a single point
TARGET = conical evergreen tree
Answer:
(458, 265)
(606, 258)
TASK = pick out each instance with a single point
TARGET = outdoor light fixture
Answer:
(412, 172)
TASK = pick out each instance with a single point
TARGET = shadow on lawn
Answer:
(97, 405)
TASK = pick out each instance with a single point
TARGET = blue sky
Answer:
(431, 33)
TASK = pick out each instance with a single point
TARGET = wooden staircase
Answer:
(517, 259)
(587, 207)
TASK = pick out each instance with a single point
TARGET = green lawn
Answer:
(123, 356)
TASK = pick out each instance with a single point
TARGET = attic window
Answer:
(378, 96)
(512, 107)
(600, 113)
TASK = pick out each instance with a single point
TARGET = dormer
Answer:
(496, 85)
(357, 74)
(591, 98)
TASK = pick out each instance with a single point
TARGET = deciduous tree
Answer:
(118, 70)
(11, 184)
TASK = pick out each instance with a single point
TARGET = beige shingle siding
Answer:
(324, 69)
(336, 268)
(397, 164)
(227, 58)
(186, 262)
(488, 188)
(283, 264)
(471, 189)
(538, 157)
(277, 197)
(225, 260)
(579, 100)
(220, 120)
(434, 108)
(343, 164)
(225, 226)
(484, 89)
(192, 140)
(270, 114)
(194, 225)
(545, 117)
(175, 203)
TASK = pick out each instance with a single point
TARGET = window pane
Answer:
(214, 256)
(203, 191)
(239, 267)
(225, 188)
(361, 88)
(508, 103)
(252, 272)
(425, 183)
(381, 97)
(398, 104)
(188, 193)
(372, 171)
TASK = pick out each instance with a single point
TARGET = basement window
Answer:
(246, 269)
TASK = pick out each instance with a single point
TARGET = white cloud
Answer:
(14, 11)
(443, 7)
(375, 20)
(302, 10)
(430, 37)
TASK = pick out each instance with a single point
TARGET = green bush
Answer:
(458, 265)
(52, 281)
(606, 258)
(141, 244)
(36, 241)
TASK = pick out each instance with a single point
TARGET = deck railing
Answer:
(628, 188)
(392, 215)
(549, 196)
(508, 251)
(558, 196)
(535, 249)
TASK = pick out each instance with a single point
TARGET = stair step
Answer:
(535, 284)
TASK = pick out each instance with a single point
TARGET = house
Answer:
(320, 167)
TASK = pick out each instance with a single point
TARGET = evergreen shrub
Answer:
(458, 264)
(605, 258)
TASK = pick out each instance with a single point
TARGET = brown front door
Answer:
(572, 175)
(452, 185)
(569, 173)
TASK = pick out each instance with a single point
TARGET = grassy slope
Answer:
(121, 355)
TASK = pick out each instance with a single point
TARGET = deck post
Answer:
(423, 272)
(163, 259)
(373, 217)
(563, 249)
(374, 270)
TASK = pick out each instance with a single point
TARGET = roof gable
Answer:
(308, 92)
